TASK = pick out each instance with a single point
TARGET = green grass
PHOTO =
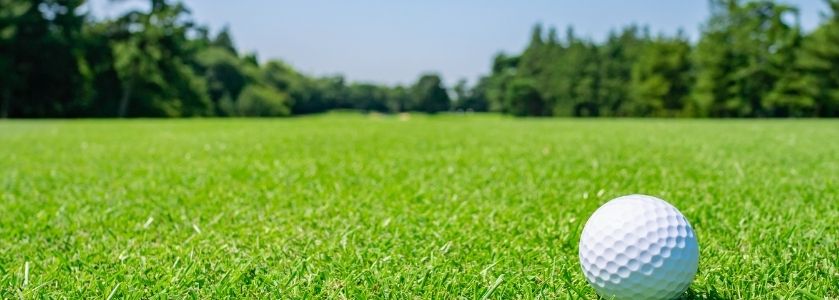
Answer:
(349, 206)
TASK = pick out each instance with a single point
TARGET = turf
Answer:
(351, 206)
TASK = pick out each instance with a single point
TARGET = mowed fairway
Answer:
(353, 206)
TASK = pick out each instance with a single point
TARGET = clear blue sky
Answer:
(393, 41)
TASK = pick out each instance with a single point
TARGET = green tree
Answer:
(10, 13)
(535, 58)
(744, 51)
(367, 97)
(150, 51)
(398, 99)
(534, 64)
(42, 46)
(470, 98)
(224, 40)
(261, 101)
(523, 99)
(326, 93)
(818, 85)
(577, 76)
(661, 79)
(504, 70)
(567, 75)
(224, 73)
(429, 94)
(617, 58)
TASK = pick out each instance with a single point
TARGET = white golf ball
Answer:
(638, 247)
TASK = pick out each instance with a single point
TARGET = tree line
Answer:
(752, 59)
(58, 62)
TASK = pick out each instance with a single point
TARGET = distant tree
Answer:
(101, 76)
(502, 62)
(430, 95)
(10, 19)
(460, 90)
(744, 52)
(568, 76)
(580, 72)
(368, 97)
(280, 75)
(42, 45)
(536, 36)
(470, 99)
(261, 101)
(661, 79)
(504, 70)
(553, 37)
(133, 63)
(251, 59)
(224, 73)
(535, 57)
(398, 99)
(817, 86)
(523, 99)
(224, 40)
(303, 96)
(156, 79)
(330, 92)
(618, 55)
(752, 60)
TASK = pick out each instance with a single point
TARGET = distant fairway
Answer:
(352, 206)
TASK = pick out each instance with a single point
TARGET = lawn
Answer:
(353, 206)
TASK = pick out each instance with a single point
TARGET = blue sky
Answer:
(393, 41)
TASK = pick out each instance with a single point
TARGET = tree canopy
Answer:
(751, 60)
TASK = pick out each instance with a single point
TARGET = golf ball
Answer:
(638, 247)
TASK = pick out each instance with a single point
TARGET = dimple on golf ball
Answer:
(638, 247)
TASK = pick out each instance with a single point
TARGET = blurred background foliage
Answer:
(751, 60)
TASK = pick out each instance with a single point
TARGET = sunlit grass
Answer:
(347, 206)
